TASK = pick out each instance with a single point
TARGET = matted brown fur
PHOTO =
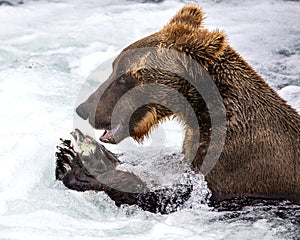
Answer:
(143, 127)
(261, 155)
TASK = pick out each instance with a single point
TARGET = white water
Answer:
(48, 48)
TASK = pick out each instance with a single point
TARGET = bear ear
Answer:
(199, 43)
(208, 45)
(191, 15)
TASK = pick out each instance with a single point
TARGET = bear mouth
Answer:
(112, 135)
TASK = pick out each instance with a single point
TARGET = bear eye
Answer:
(122, 79)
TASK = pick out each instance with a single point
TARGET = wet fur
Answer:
(261, 155)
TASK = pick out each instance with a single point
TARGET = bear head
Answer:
(161, 59)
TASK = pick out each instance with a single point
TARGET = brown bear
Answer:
(261, 153)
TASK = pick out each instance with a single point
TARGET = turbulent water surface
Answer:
(49, 48)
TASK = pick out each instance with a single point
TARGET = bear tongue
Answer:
(108, 135)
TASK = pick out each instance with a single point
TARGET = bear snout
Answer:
(82, 111)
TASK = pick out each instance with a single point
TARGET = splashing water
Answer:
(48, 48)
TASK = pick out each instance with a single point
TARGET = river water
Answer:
(49, 48)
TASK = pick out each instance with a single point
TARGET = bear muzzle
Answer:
(82, 112)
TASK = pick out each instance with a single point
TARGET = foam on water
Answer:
(48, 48)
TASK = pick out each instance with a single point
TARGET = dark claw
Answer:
(68, 151)
(67, 143)
(67, 167)
(60, 170)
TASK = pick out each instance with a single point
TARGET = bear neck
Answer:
(263, 132)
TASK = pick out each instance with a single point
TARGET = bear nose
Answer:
(82, 111)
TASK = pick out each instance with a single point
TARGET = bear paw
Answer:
(71, 171)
